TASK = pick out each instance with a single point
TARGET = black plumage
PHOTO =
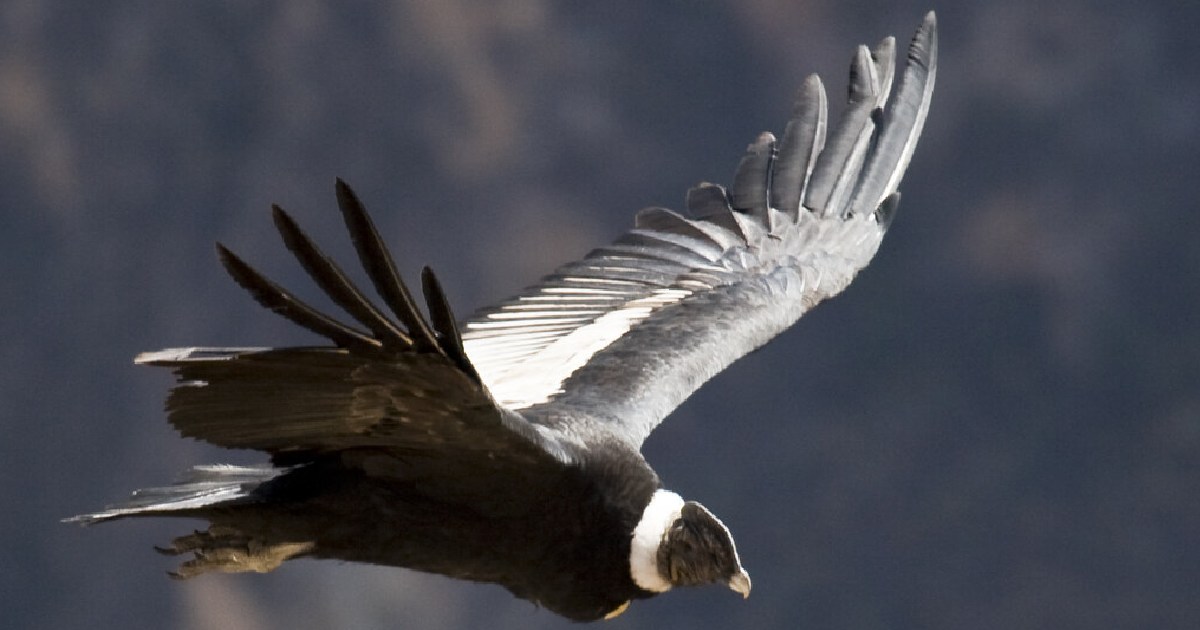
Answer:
(507, 449)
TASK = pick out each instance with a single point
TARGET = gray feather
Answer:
(677, 299)
(202, 487)
(803, 140)
(904, 121)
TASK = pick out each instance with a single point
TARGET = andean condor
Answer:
(506, 449)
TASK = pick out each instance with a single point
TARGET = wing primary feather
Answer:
(279, 300)
(802, 141)
(706, 199)
(883, 58)
(887, 209)
(381, 268)
(709, 202)
(664, 220)
(336, 285)
(444, 323)
(750, 192)
(903, 121)
(837, 170)
(864, 79)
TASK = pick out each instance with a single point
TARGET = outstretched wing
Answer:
(619, 339)
(404, 384)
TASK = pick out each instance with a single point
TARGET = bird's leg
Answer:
(228, 550)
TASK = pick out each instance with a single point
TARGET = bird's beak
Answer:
(740, 583)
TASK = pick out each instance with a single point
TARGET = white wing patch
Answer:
(525, 352)
(526, 349)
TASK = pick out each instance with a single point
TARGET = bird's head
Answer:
(679, 543)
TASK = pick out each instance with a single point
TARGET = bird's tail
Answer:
(202, 487)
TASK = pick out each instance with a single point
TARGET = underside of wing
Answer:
(623, 336)
(402, 384)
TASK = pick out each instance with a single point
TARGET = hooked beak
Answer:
(740, 583)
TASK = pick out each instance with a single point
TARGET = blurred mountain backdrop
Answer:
(997, 426)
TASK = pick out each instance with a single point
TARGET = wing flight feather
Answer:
(617, 340)
(610, 343)
(406, 385)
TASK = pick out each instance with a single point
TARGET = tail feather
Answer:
(201, 487)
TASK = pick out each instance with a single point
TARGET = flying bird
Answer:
(506, 449)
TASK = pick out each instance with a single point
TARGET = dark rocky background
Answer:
(997, 426)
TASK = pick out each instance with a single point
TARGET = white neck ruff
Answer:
(662, 511)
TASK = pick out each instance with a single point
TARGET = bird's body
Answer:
(508, 450)
(561, 530)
